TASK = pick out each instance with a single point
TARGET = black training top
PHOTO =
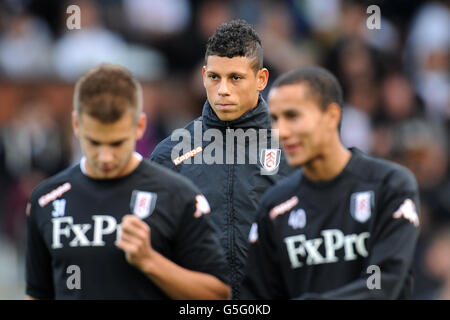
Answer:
(328, 240)
(74, 221)
(234, 190)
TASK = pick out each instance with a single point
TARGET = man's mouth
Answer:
(106, 170)
(224, 105)
(291, 147)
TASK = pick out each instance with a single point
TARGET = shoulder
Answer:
(179, 190)
(54, 186)
(282, 191)
(164, 149)
(167, 178)
(390, 174)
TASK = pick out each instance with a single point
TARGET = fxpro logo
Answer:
(64, 227)
(239, 146)
(333, 240)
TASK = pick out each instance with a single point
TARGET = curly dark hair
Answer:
(236, 38)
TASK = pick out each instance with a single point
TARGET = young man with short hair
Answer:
(116, 226)
(233, 76)
(345, 225)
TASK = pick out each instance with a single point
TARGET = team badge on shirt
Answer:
(143, 203)
(270, 159)
(361, 205)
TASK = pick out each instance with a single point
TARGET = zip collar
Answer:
(257, 118)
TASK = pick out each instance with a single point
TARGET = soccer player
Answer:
(116, 226)
(343, 226)
(233, 76)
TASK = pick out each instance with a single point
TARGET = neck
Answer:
(329, 163)
(132, 164)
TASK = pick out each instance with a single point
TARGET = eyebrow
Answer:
(287, 112)
(229, 74)
(290, 111)
(108, 143)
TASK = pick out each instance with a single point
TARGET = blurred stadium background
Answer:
(396, 83)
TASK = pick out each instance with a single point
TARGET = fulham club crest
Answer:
(270, 160)
(361, 205)
(142, 203)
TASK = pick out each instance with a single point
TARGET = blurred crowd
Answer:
(396, 83)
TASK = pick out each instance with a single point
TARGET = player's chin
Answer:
(296, 160)
(107, 174)
(227, 116)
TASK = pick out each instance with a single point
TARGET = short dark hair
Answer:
(106, 92)
(322, 83)
(236, 38)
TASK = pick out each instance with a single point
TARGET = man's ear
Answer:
(204, 75)
(75, 124)
(334, 114)
(262, 77)
(141, 125)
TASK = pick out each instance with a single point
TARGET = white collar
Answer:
(83, 162)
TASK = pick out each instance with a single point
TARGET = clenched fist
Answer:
(135, 242)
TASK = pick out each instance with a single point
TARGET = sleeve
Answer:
(262, 277)
(196, 244)
(391, 245)
(38, 269)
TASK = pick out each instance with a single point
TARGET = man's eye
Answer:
(116, 144)
(213, 77)
(95, 143)
(292, 115)
(236, 78)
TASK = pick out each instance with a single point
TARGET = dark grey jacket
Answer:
(232, 188)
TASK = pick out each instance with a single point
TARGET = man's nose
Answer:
(282, 128)
(105, 154)
(223, 88)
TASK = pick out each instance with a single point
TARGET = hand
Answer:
(135, 241)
